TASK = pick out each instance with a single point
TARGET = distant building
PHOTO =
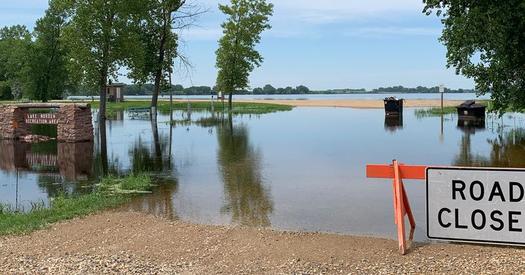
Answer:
(115, 92)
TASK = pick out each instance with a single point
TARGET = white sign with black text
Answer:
(484, 205)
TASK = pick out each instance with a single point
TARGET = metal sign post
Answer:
(442, 91)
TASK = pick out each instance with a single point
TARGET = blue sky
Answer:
(321, 44)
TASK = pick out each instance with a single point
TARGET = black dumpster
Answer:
(471, 110)
(393, 106)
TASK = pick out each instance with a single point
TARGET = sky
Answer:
(327, 44)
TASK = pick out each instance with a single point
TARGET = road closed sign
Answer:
(476, 205)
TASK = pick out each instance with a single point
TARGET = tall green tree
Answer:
(159, 44)
(237, 56)
(485, 41)
(103, 36)
(15, 44)
(49, 77)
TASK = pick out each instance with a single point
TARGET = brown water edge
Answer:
(125, 242)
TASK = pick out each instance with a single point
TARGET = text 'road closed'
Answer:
(476, 205)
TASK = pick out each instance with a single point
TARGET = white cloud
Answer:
(306, 18)
(315, 11)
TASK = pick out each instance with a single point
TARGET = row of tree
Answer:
(148, 89)
(418, 89)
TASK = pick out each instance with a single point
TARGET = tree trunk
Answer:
(230, 103)
(103, 99)
(160, 64)
(103, 147)
(156, 92)
(102, 123)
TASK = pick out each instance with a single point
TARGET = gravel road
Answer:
(135, 243)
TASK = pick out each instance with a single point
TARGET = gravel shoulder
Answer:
(136, 243)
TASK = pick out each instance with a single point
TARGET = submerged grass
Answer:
(112, 192)
(164, 107)
(435, 111)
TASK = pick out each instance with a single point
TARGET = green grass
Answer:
(435, 111)
(164, 107)
(112, 192)
(129, 185)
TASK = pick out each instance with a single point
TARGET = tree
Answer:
(160, 42)
(49, 78)
(237, 56)
(269, 89)
(104, 35)
(160, 45)
(15, 44)
(485, 41)
(178, 87)
(301, 89)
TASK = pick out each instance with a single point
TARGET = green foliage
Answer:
(237, 56)
(164, 107)
(485, 41)
(159, 44)
(104, 37)
(15, 44)
(434, 111)
(49, 77)
(418, 89)
(128, 185)
(5, 91)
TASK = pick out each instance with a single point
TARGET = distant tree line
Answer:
(148, 89)
(418, 89)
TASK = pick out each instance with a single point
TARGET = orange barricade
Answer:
(398, 172)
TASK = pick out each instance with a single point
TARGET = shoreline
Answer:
(127, 242)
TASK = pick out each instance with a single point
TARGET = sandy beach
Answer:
(135, 243)
(356, 103)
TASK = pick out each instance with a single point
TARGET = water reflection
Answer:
(70, 161)
(507, 147)
(247, 200)
(393, 123)
(155, 158)
(161, 202)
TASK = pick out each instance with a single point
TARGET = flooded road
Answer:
(297, 170)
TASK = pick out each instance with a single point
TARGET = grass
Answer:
(112, 192)
(435, 111)
(164, 107)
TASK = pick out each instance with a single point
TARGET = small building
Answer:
(393, 106)
(115, 92)
(471, 110)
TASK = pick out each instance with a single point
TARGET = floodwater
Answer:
(297, 170)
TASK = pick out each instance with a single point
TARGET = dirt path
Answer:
(124, 242)
(357, 103)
